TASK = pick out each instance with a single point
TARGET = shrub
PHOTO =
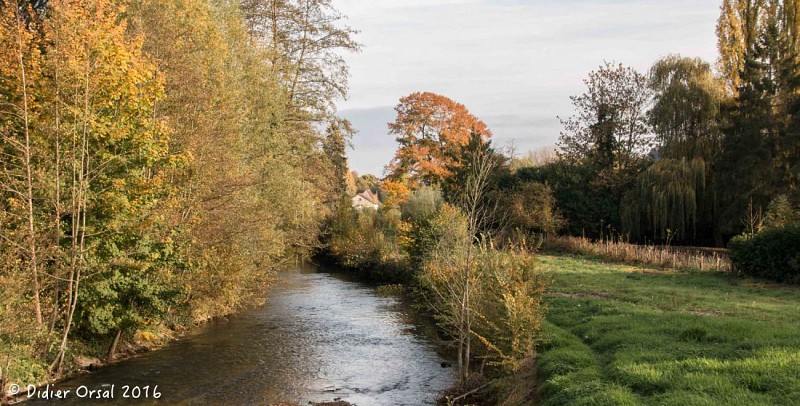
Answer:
(504, 287)
(773, 254)
(531, 207)
(780, 213)
(422, 204)
(367, 241)
(508, 304)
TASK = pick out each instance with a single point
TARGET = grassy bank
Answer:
(620, 334)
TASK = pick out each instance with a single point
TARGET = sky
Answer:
(513, 63)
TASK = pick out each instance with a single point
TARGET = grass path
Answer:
(619, 334)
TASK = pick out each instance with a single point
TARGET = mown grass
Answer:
(624, 335)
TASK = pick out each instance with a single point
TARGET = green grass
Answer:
(625, 335)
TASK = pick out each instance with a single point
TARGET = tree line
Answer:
(160, 161)
(685, 153)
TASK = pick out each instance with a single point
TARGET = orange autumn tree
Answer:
(396, 192)
(431, 130)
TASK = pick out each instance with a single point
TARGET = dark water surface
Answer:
(319, 337)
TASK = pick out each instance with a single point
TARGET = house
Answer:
(366, 199)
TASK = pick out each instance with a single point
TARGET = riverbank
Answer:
(90, 360)
(619, 333)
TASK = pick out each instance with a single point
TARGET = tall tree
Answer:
(431, 130)
(609, 129)
(760, 155)
(338, 137)
(606, 143)
(101, 90)
(685, 116)
(676, 196)
(304, 40)
(737, 29)
(20, 67)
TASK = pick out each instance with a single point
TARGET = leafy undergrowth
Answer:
(622, 335)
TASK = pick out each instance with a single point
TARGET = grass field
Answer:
(625, 335)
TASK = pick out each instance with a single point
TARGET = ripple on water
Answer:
(317, 338)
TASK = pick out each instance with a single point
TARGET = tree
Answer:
(666, 200)
(431, 130)
(117, 151)
(154, 161)
(394, 193)
(687, 104)
(367, 182)
(20, 66)
(737, 30)
(536, 157)
(759, 158)
(587, 208)
(675, 197)
(478, 168)
(304, 40)
(603, 146)
(338, 137)
(609, 129)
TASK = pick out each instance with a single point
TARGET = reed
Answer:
(616, 249)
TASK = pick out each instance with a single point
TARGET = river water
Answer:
(319, 337)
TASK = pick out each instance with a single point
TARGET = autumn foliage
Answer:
(158, 167)
(431, 129)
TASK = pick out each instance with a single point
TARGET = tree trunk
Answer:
(79, 192)
(113, 349)
(29, 180)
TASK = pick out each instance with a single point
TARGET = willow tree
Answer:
(664, 202)
(676, 193)
(686, 109)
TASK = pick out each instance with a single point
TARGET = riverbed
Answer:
(319, 337)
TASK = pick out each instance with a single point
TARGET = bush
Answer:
(773, 254)
(508, 304)
(422, 204)
(367, 241)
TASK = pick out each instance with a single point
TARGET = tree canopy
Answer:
(430, 130)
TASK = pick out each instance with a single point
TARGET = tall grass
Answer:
(615, 249)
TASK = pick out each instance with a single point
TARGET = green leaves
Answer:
(123, 299)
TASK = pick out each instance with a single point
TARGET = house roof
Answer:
(370, 197)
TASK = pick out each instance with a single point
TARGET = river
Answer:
(319, 337)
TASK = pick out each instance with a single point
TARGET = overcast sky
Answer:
(513, 63)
